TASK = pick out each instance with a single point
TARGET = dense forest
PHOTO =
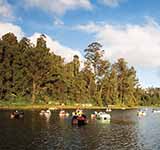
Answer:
(32, 74)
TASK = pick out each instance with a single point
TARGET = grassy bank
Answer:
(47, 106)
(6, 105)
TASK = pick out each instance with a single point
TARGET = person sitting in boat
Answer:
(108, 109)
(42, 112)
(17, 114)
(77, 112)
(47, 113)
(94, 115)
(62, 113)
(141, 113)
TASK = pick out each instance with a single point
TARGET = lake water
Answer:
(125, 131)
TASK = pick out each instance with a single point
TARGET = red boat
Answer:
(79, 120)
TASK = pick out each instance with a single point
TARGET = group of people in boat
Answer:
(101, 115)
(79, 118)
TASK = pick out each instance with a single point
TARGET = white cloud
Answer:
(54, 45)
(111, 3)
(58, 22)
(9, 27)
(138, 44)
(59, 6)
(58, 48)
(5, 9)
(90, 27)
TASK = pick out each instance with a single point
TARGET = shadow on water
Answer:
(124, 131)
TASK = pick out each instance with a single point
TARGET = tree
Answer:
(88, 77)
(76, 65)
(110, 90)
(94, 56)
(38, 65)
(9, 49)
(127, 82)
(29, 71)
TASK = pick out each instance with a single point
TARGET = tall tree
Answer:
(94, 56)
(110, 90)
(32, 71)
(127, 82)
(38, 65)
(76, 65)
(9, 48)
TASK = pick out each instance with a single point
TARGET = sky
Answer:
(128, 29)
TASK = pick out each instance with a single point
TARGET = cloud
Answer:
(55, 46)
(5, 9)
(58, 48)
(111, 3)
(90, 27)
(58, 22)
(59, 6)
(138, 44)
(9, 27)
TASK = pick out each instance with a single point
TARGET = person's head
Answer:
(80, 112)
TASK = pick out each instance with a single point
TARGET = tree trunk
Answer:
(99, 96)
(33, 91)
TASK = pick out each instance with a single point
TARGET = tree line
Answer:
(34, 74)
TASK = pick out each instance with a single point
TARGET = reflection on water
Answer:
(125, 131)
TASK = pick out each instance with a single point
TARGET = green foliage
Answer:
(32, 74)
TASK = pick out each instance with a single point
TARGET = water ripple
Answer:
(125, 131)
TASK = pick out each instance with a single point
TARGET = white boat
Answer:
(108, 110)
(141, 113)
(46, 113)
(62, 113)
(103, 116)
(42, 112)
(156, 111)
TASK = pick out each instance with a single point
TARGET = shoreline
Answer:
(58, 107)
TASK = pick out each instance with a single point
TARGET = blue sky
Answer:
(126, 28)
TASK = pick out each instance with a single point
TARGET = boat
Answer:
(46, 113)
(108, 109)
(62, 113)
(156, 111)
(79, 120)
(42, 112)
(103, 116)
(17, 114)
(141, 113)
